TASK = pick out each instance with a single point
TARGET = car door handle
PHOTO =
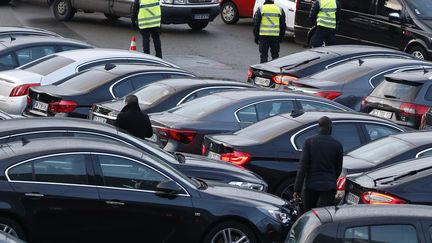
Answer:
(34, 195)
(115, 203)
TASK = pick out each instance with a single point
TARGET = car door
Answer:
(385, 31)
(57, 194)
(132, 210)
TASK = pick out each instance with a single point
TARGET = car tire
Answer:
(418, 52)
(235, 229)
(286, 189)
(229, 13)
(11, 227)
(63, 10)
(198, 25)
(111, 17)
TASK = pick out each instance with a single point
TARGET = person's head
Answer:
(131, 100)
(325, 124)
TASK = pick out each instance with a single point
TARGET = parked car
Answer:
(12, 32)
(288, 7)
(367, 223)
(183, 128)
(402, 97)
(232, 10)
(163, 95)
(397, 24)
(117, 193)
(348, 83)
(282, 71)
(401, 183)
(191, 165)
(58, 66)
(75, 95)
(272, 147)
(20, 50)
(196, 13)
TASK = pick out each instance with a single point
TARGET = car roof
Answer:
(309, 116)
(184, 83)
(416, 138)
(417, 77)
(121, 69)
(24, 40)
(266, 93)
(100, 53)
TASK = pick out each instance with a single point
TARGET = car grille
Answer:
(200, 1)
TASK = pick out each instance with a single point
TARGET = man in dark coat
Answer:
(133, 120)
(320, 166)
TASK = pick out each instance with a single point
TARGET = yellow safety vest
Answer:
(327, 14)
(270, 15)
(149, 14)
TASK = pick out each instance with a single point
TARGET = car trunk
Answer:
(106, 112)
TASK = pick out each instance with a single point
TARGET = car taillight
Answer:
(203, 149)
(284, 79)
(184, 136)
(408, 109)
(236, 157)
(63, 106)
(331, 95)
(340, 183)
(250, 73)
(380, 198)
(22, 89)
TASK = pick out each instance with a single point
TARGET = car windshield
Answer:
(398, 169)
(400, 90)
(85, 81)
(201, 107)
(47, 65)
(152, 93)
(380, 150)
(421, 8)
(343, 73)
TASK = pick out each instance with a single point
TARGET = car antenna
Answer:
(297, 113)
(109, 66)
(360, 61)
(12, 38)
(424, 70)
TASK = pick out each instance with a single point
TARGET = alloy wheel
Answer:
(230, 235)
(418, 55)
(61, 7)
(7, 229)
(228, 13)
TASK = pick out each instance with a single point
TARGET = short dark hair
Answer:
(325, 122)
(131, 99)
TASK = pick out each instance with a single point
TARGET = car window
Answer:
(381, 233)
(27, 55)
(422, 8)
(6, 61)
(124, 173)
(247, 114)
(143, 79)
(101, 63)
(205, 92)
(401, 90)
(375, 131)
(122, 88)
(363, 6)
(385, 7)
(177, 75)
(428, 95)
(265, 110)
(70, 168)
(80, 81)
(48, 64)
(308, 105)
(427, 152)
(357, 235)
(70, 48)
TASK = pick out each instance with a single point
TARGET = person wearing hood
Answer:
(133, 120)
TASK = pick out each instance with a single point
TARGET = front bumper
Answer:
(183, 14)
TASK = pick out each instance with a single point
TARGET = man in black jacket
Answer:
(320, 166)
(133, 120)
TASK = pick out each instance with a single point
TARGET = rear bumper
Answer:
(183, 14)
(14, 106)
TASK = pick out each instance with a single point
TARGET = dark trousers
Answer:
(323, 35)
(266, 43)
(315, 199)
(155, 35)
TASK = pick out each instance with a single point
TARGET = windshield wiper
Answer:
(391, 96)
(299, 64)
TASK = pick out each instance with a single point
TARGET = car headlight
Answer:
(179, 1)
(276, 214)
(248, 185)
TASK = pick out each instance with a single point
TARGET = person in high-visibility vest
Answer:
(149, 22)
(269, 29)
(324, 14)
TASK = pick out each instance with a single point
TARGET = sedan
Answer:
(75, 190)
(282, 71)
(52, 68)
(272, 148)
(163, 95)
(183, 128)
(75, 95)
(16, 31)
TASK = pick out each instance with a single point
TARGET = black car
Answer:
(282, 71)
(364, 224)
(24, 49)
(406, 182)
(348, 83)
(272, 148)
(90, 190)
(75, 95)
(12, 32)
(183, 128)
(399, 24)
(402, 97)
(191, 165)
(163, 95)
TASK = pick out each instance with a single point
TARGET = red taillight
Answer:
(331, 95)
(184, 136)
(380, 198)
(22, 89)
(250, 73)
(284, 79)
(236, 157)
(340, 183)
(409, 109)
(63, 106)
(203, 149)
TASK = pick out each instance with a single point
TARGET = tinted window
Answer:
(140, 80)
(124, 173)
(385, 7)
(308, 105)
(343, 73)
(29, 54)
(403, 91)
(393, 233)
(357, 235)
(362, 6)
(23, 172)
(48, 65)
(70, 48)
(272, 108)
(426, 153)
(422, 8)
(152, 93)
(80, 81)
(375, 131)
(201, 107)
(123, 88)
(248, 114)
(6, 61)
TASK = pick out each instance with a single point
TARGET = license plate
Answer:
(213, 155)
(381, 113)
(262, 81)
(153, 138)
(99, 119)
(40, 106)
(201, 16)
(352, 199)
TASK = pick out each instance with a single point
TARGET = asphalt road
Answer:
(220, 50)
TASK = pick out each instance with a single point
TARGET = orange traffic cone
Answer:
(133, 46)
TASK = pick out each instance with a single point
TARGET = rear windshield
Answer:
(399, 90)
(421, 8)
(343, 73)
(47, 65)
(85, 81)
(380, 150)
(151, 93)
(201, 107)
(303, 228)
(268, 129)
(401, 168)
(306, 57)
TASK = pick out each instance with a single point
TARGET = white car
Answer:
(14, 84)
(289, 7)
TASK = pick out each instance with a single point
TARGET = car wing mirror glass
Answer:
(395, 17)
(168, 188)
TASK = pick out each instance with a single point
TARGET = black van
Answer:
(400, 24)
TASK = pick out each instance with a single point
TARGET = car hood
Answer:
(355, 165)
(233, 140)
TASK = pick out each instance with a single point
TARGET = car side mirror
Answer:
(168, 189)
(395, 17)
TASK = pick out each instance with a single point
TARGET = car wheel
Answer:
(286, 189)
(229, 232)
(63, 10)
(198, 25)
(11, 227)
(111, 17)
(418, 52)
(229, 13)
